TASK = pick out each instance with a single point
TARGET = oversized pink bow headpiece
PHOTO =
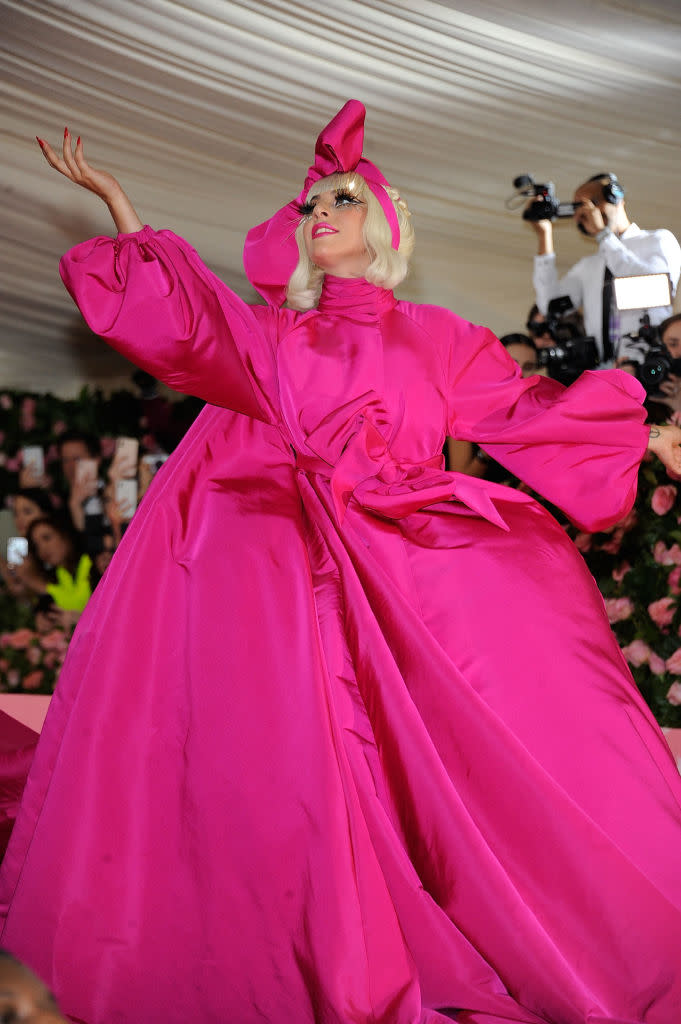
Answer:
(270, 250)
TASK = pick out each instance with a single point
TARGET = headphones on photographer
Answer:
(612, 190)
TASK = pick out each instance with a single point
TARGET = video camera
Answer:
(549, 206)
(572, 351)
(657, 363)
(644, 292)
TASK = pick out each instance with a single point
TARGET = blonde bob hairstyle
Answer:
(388, 267)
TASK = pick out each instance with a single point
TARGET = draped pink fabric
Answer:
(342, 737)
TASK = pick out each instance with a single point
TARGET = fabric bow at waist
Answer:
(369, 474)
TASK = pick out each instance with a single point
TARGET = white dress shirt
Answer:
(634, 252)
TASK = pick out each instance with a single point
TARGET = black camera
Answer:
(656, 367)
(548, 206)
(572, 352)
(656, 364)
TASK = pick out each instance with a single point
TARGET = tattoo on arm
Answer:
(654, 432)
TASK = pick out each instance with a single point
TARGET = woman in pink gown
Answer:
(343, 737)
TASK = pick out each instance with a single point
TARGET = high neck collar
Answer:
(355, 298)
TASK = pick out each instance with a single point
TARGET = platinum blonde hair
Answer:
(388, 267)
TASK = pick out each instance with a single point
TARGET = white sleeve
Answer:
(662, 255)
(547, 284)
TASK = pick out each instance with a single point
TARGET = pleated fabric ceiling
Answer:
(208, 110)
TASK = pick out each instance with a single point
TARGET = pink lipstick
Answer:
(323, 229)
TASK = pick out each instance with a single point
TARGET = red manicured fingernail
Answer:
(40, 142)
(66, 133)
(78, 141)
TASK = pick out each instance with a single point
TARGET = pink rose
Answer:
(656, 664)
(54, 641)
(620, 572)
(613, 545)
(666, 556)
(583, 542)
(618, 608)
(33, 680)
(13, 678)
(51, 659)
(673, 663)
(20, 639)
(663, 499)
(674, 580)
(637, 652)
(674, 554)
(33, 656)
(674, 692)
(5, 401)
(662, 611)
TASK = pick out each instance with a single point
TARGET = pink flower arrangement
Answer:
(583, 542)
(618, 608)
(656, 664)
(33, 680)
(663, 499)
(613, 545)
(674, 694)
(662, 611)
(19, 640)
(674, 580)
(56, 640)
(620, 572)
(636, 653)
(31, 661)
(666, 556)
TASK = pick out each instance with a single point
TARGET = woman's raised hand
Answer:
(73, 165)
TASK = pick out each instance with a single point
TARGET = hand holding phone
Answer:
(126, 498)
(33, 459)
(125, 457)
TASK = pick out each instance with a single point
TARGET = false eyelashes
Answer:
(342, 197)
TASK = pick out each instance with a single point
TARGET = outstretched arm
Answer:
(665, 442)
(73, 165)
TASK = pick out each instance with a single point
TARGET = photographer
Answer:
(624, 250)
(669, 392)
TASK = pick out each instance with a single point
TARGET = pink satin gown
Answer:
(343, 737)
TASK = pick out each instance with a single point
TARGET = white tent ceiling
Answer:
(207, 110)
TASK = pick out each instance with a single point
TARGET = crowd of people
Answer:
(72, 523)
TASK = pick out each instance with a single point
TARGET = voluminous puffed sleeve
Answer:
(579, 446)
(153, 300)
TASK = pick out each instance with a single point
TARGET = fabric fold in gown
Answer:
(342, 737)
